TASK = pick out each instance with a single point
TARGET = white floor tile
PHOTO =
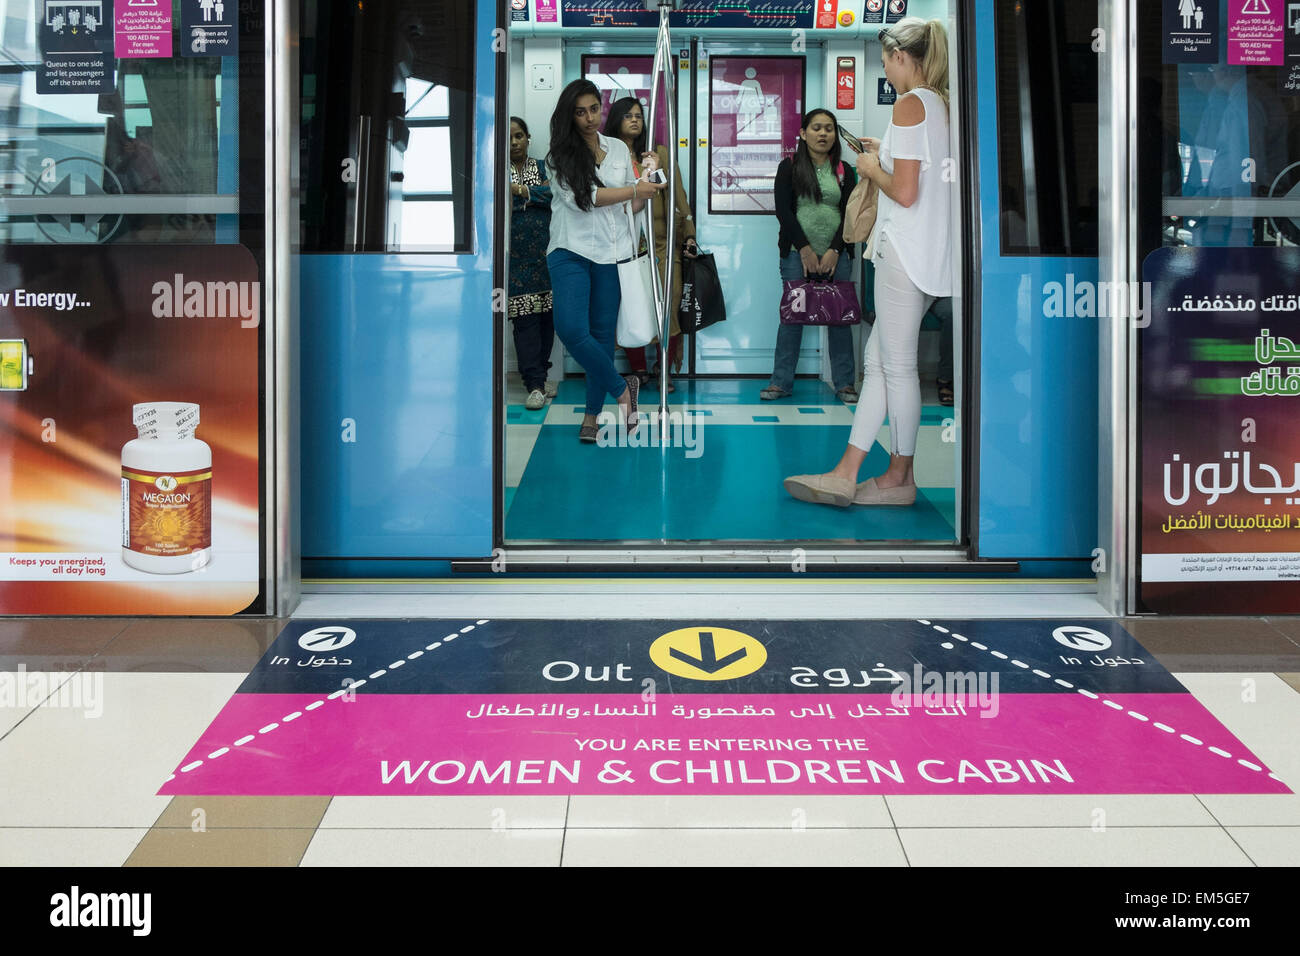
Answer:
(20, 697)
(455, 813)
(768, 812)
(67, 846)
(1254, 809)
(1261, 710)
(1116, 846)
(732, 848)
(730, 600)
(434, 848)
(61, 769)
(1269, 846)
(1067, 810)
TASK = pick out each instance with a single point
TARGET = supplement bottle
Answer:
(166, 491)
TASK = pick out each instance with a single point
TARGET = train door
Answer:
(715, 483)
(397, 230)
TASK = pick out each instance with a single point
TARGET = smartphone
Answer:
(658, 176)
(853, 141)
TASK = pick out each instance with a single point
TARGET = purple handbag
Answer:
(819, 302)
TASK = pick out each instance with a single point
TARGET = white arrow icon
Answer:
(327, 638)
(1080, 638)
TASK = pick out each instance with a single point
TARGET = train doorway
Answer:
(713, 484)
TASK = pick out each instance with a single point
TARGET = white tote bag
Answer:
(638, 323)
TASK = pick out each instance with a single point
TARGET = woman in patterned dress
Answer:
(530, 282)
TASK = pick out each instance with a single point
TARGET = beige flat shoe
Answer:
(868, 493)
(821, 489)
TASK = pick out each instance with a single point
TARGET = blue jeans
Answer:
(586, 296)
(790, 337)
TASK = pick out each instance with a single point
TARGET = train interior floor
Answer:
(101, 718)
(726, 444)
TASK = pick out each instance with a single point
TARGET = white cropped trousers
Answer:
(891, 383)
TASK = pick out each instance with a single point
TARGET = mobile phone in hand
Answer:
(658, 176)
(854, 143)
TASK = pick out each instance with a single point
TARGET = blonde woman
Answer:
(911, 248)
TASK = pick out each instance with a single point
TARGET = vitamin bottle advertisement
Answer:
(129, 430)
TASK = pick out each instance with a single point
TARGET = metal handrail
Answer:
(663, 64)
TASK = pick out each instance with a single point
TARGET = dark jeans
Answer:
(789, 337)
(534, 338)
(586, 296)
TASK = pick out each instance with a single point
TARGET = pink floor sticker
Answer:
(458, 744)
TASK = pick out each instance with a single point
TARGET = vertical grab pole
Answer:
(664, 66)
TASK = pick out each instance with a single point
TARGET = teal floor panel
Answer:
(730, 491)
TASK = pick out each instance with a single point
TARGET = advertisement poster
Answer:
(76, 42)
(1219, 450)
(429, 707)
(143, 29)
(756, 107)
(208, 27)
(132, 437)
(1255, 29)
(1191, 31)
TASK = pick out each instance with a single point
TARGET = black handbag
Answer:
(702, 301)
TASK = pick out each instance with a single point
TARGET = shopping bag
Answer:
(638, 322)
(819, 301)
(702, 301)
(861, 211)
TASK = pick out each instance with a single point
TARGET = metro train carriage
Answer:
(419, 455)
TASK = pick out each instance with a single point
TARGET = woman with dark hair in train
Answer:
(590, 234)
(911, 247)
(530, 282)
(811, 193)
(626, 121)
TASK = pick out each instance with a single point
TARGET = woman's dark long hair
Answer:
(570, 156)
(614, 124)
(803, 175)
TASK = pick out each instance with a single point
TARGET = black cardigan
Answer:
(792, 234)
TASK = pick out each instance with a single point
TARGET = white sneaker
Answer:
(536, 400)
(550, 389)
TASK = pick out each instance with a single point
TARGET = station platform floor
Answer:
(82, 788)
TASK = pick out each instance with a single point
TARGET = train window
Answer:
(387, 126)
(150, 141)
(1047, 127)
(756, 104)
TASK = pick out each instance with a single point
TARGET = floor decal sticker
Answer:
(638, 707)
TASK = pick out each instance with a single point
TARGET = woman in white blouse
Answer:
(590, 234)
(911, 247)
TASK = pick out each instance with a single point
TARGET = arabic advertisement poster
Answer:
(1219, 450)
(130, 423)
(423, 707)
(76, 41)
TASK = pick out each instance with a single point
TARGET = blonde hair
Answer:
(926, 42)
